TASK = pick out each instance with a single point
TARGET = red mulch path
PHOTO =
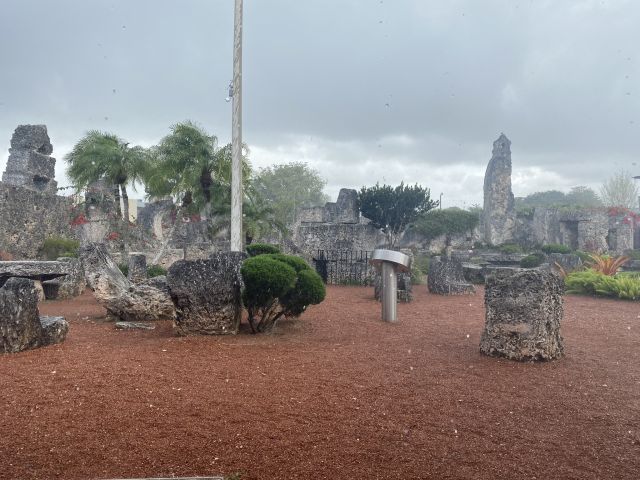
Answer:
(337, 395)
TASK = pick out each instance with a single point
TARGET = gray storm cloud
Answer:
(364, 91)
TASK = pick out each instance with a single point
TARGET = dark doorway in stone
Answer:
(570, 234)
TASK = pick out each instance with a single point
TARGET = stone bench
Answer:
(37, 270)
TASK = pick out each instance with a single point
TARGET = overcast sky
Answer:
(361, 90)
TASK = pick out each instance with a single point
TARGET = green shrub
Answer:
(155, 271)
(55, 247)
(309, 290)
(449, 221)
(256, 249)
(590, 282)
(555, 248)
(532, 261)
(124, 268)
(510, 248)
(419, 268)
(297, 263)
(278, 285)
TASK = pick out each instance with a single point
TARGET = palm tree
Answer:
(104, 155)
(258, 218)
(188, 165)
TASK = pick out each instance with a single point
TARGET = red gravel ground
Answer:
(337, 395)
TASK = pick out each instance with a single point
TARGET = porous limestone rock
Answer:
(498, 215)
(137, 271)
(123, 300)
(21, 327)
(568, 261)
(206, 294)
(523, 315)
(30, 164)
(54, 330)
(446, 277)
(69, 286)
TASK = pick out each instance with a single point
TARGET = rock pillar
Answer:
(523, 314)
(499, 216)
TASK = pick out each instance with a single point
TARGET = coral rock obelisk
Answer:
(499, 216)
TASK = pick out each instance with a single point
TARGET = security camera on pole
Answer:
(236, 133)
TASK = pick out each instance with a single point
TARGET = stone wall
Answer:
(583, 229)
(28, 217)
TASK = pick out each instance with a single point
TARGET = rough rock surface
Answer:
(21, 328)
(69, 286)
(54, 330)
(568, 261)
(206, 294)
(499, 216)
(137, 267)
(446, 277)
(134, 326)
(523, 315)
(30, 164)
(33, 269)
(124, 301)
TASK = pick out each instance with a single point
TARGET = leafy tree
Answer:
(258, 218)
(583, 196)
(449, 222)
(104, 155)
(288, 187)
(579, 196)
(620, 191)
(188, 165)
(393, 209)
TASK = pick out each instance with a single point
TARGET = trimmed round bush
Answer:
(265, 280)
(309, 290)
(532, 261)
(278, 285)
(256, 249)
(297, 263)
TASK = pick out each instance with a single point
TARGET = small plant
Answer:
(555, 248)
(124, 268)
(155, 271)
(532, 261)
(591, 282)
(510, 248)
(256, 249)
(277, 286)
(55, 247)
(605, 264)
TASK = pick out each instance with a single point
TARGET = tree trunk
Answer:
(116, 194)
(125, 203)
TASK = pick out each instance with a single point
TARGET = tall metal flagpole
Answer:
(236, 134)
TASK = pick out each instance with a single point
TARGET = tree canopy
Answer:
(620, 190)
(449, 222)
(579, 196)
(104, 155)
(188, 165)
(290, 186)
(392, 209)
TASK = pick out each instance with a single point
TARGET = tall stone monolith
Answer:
(499, 216)
(30, 164)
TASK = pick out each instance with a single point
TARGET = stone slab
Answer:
(32, 269)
